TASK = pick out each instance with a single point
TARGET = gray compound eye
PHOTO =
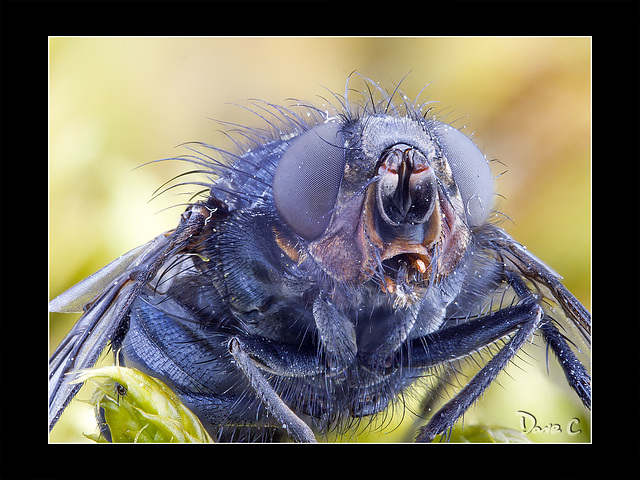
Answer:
(470, 171)
(308, 178)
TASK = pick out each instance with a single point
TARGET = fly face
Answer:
(329, 266)
(381, 215)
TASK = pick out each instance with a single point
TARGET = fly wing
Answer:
(519, 259)
(112, 291)
(105, 297)
(83, 344)
(76, 298)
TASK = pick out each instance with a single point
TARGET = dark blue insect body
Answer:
(334, 261)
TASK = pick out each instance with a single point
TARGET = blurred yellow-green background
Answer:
(116, 103)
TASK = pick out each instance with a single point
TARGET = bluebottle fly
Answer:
(334, 258)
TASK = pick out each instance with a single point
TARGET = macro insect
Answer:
(336, 257)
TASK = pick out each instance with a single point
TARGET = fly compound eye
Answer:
(307, 180)
(470, 171)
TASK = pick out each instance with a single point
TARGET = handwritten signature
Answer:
(529, 424)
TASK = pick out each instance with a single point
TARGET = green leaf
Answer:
(139, 408)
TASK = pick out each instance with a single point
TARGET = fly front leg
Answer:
(459, 341)
(445, 418)
(336, 334)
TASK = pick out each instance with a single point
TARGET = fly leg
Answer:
(574, 371)
(281, 359)
(257, 356)
(300, 431)
(461, 340)
(337, 335)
